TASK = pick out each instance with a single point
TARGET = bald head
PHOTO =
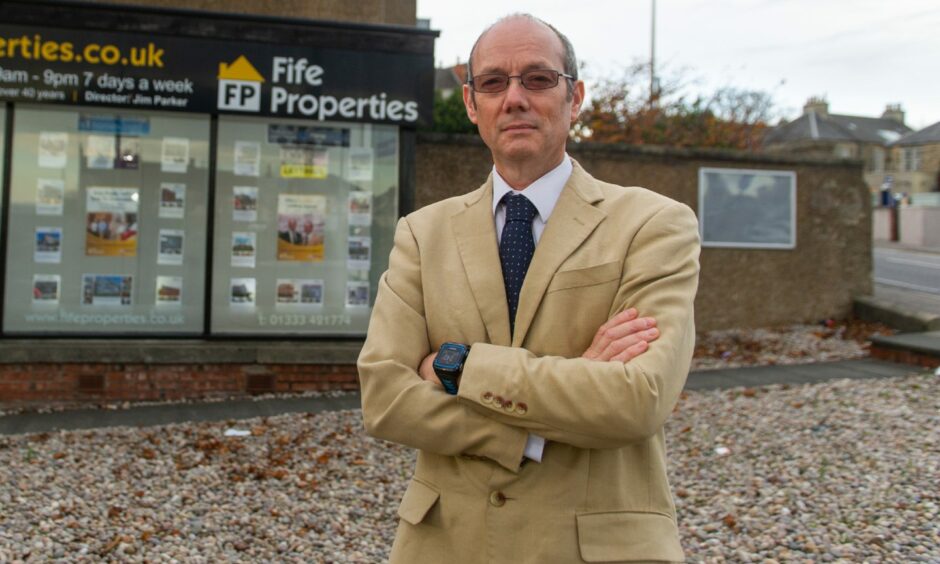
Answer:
(565, 49)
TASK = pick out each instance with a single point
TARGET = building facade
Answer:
(817, 132)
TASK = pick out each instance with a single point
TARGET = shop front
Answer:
(171, 174)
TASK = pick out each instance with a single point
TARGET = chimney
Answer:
(816, 105)
(894, 111)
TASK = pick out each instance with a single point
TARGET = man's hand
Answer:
(426, 370)
(624, 337)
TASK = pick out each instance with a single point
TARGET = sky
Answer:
(858, 54)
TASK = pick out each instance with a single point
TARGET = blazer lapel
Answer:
(475, 232)
(573, 219)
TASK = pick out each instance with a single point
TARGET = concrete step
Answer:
(901, 315)
(920, 349)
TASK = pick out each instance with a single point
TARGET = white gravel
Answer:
(844, 471)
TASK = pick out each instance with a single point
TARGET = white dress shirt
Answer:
(543, 193)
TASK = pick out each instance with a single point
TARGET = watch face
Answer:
(449, 356)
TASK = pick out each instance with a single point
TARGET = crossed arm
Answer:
(578, 401)
(622, 338)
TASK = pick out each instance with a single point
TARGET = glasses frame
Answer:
(558, 76)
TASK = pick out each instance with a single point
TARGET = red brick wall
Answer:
(72, 382)
(904, 357)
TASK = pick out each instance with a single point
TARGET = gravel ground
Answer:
(844, 471)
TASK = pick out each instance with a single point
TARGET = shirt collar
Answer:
(543, 193)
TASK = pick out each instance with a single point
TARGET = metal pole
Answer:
(653, 57)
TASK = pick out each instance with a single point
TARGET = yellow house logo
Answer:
(239, 86)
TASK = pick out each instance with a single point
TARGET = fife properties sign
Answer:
(210, 76)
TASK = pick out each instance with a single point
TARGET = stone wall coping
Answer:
(178, 352)
(588, 148)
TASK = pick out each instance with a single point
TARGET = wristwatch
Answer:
(448, 365)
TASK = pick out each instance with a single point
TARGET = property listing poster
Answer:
(359, 253)
(359, 164)
(242, 292)
(357, 294)
(46, 289)
(299, 292)
(170, 247)
(174, 154)
(48, 245)
(50, 194)
(244, 247)
(128, 149)
(111, 222)
(53, 149)
(100, 151)
(360, 208)
(247, 158)
(169, 290)
(106, 290)
(172, 200)
(301, 227)
(304, 161)
(244, 203)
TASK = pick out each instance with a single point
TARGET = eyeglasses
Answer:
(540, 79)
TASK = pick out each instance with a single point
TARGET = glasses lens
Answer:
(540, 79)
(490, 82)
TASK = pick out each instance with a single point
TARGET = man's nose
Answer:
(516, 94)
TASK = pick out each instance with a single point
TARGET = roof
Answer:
(451, 77)
(835, 127)
(929, 134)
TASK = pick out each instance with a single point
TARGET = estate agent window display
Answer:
(304, 217)
(106, 222)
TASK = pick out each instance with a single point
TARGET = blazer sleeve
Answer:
(594, 404)
(397, 404)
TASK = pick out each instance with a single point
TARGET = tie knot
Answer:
(519, 208)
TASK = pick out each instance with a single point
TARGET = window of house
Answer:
(106, 230)
(747, 208)
(911, 159)
(877, 159)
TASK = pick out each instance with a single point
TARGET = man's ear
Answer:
(577, 99)
(470, 103)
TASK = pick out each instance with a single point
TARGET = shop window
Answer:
(107, 222)
(305, 215)
(3, 136)
(747, 208)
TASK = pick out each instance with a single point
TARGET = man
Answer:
(543, 443)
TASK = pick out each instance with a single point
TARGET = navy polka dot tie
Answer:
(516, 248)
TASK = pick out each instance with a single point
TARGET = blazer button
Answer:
(522, 408)
(487, 397)
(497, 401)
(497, 499)
(508, 405)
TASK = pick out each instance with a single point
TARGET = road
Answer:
(911, 270)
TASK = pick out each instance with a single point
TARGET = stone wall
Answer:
(739, 288)
(397, 12)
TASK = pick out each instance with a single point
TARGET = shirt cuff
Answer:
(534, 445)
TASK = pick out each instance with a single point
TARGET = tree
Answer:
(450, 115)
(622, 111)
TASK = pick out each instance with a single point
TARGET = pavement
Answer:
(164, 414)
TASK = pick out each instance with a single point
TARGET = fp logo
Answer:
(239, 86)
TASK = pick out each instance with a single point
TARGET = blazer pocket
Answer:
(587, 276)
(419, 498)
(624, 536)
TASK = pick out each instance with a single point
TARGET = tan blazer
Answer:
(600, 493)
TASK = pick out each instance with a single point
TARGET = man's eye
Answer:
(539, 79)
(492, 81)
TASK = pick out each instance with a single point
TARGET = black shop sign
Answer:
(65, 66)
